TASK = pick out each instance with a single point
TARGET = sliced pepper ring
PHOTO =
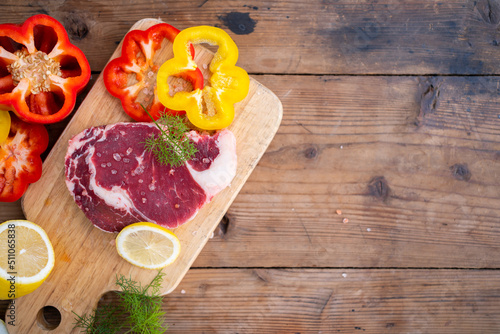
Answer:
(212, 107)
(138, 57)
(20, 162)
(41, 72)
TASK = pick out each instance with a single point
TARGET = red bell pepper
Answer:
(20, 162)
(41, 72)
(132, 76)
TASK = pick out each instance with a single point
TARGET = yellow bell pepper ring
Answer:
(4, 125)
(212, 107)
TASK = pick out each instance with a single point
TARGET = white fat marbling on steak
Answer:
(223, 167)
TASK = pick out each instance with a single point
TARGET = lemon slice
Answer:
(26, 258)
(148, 245)
(3, 329)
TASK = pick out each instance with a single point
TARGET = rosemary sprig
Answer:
(172, 147)
(139, 310)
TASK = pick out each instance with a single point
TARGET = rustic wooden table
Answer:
(376, 207)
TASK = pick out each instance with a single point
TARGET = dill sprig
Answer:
(106, 321)
(139, 310)
(172, 146)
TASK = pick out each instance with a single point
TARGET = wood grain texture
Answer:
(86, 259)
(10, 211)
(412, 162)
(439, 193)
(333, 301)
(415, 171)
(317, 36)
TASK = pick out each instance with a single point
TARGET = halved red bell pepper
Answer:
(41, 72)
(132, 76)
(20, 162)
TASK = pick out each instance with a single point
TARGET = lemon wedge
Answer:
(26, 258)
(148, 245)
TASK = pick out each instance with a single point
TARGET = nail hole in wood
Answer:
(49, 318)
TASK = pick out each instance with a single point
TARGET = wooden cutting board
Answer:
(86, 259)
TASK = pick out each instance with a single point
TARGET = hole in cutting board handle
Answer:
(48, 318)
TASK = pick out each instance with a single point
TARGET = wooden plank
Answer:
(308, 36)
(412, 163)
(10, 211)
(86, 259)
(433, 140)
(386, 127)
(337, 136)
(331, 300)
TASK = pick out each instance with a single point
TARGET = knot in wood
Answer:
(311, 152)
(430, 99)
(379, 188)
(489, 11)
(76, 26)
(221, 229)
(461, 172)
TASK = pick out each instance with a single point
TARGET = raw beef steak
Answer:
(116, 182)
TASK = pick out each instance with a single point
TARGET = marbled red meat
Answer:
(116, 182)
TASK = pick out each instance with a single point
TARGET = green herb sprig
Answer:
(139, 310)
(172, 147)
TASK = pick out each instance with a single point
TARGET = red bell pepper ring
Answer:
(41, 72)
(132, 76)
(20, 162)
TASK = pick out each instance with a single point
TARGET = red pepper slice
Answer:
(41, 72)
(132, 76)
(20, 162)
